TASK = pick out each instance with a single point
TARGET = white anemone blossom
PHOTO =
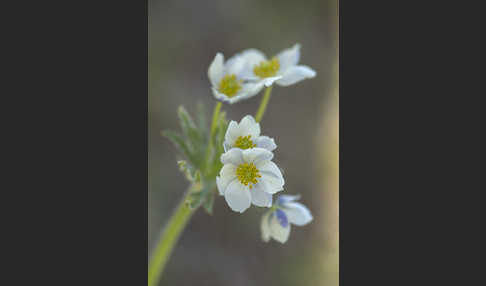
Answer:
(281, 69)
(246, 135)
(228, 82)
(276, 223)
(248, 176)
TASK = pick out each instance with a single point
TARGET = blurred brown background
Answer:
(226, 249)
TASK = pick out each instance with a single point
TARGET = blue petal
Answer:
(282, 218)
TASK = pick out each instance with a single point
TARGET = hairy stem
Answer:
(263, 104)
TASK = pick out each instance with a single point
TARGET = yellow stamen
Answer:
(229, 85)
(247, 174)
(244, 142)
(267, 68)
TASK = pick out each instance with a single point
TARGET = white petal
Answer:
(277, 231)
(268, 81)
(220, 96)
(226, 146)
(253, 88)
(247, 126)
(215, 70)
(238, 98)
(274, 184)
(295, 74)
(250, 127)
(228, 171)
(233, 156)
(297, 213)
(237, 196)
(283, 199)
(220, 186)
(226, 175)
(266, 143)
(259, 196)
(289, 57)
(232, 133)
(247, 90)
(265, 227)
(251, 57)
(234, 65)
(257, 155)
(272, 176)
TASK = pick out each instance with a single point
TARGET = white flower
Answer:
(282, 68)
(248, 176)
(276, 223)
(246, 135)
(228, 83)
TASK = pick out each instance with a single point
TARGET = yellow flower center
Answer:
(229, 85)
(244, 142)
(267, 68)
(247, 174)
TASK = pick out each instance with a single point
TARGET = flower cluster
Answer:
(246, 73)
(234, 158)
(248, 175)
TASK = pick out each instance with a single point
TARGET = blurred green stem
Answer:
(263, 104)
(168, 240)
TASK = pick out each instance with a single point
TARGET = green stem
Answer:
(263, 104)
(214, 123)
(217, 108)
(168, 240)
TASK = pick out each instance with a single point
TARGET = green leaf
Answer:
(202, 121)
(189, 129)
(195, 137)
(179, 142)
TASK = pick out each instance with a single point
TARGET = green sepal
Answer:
(202, 194)
(193, 175)
(195, 199)
(208, 204)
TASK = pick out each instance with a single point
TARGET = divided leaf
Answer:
(192, 143)
(178, 141)
(202, 121)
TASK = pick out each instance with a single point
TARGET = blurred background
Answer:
(226, 248)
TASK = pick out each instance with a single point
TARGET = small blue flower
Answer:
(276, 223)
